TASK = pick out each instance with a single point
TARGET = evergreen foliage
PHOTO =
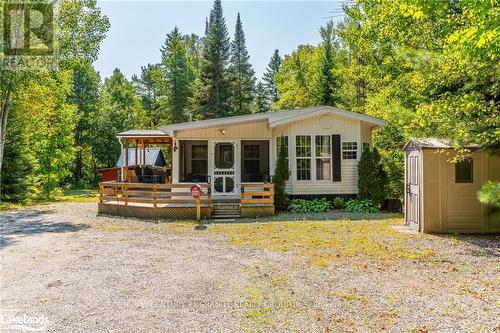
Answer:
(372, 178)
(269, 77)
(85, 96)
(281, 175)
(261, 100)
(241, 74)
(327, 83)
(213, 88)
(179, 76)
(150, 85)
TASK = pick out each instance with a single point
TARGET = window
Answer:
(224, 155)
(199, 155)
(323, 157)
(193, 161)
(349, 150)
(303, 152)
(251, 157)
(255, 161)
(366, 146)
(463, 171)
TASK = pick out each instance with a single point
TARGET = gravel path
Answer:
(88, 273)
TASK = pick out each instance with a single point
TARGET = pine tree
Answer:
(261, 102)
(273, 68)
(372, 178)
(241, 73)
(179, 75)
(281, 175)
(150, 85)
(327, 83)
(213, 90)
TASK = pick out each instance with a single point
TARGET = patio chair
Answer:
(138, 173)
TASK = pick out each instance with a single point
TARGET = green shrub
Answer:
(489, 194)
(319, 205)
(308, 206)
(281, 175)
(339, 203)
(298, 206)
(361, 206)
(372, 178)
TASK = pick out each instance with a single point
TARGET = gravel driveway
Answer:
(88, 273)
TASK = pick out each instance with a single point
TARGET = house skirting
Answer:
(256, 211)
(171, 213)
(320, 196)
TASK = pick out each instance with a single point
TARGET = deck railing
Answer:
(150, 194)
(257, 194)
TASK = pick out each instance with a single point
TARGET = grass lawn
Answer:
(67, 196)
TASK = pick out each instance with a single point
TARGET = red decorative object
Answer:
(195, 191)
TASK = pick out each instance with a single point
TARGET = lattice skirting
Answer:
(170, 213)
(256, 211)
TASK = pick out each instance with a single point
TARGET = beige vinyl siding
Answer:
(254, 130)
(348, 129)
(366, 134)
(453, 207)
(432, 198)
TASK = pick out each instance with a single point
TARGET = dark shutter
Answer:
(336, 158)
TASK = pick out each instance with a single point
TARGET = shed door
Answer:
(413, 179)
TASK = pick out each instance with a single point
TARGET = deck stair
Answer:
(225, 208)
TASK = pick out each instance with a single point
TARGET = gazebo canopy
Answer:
(146, 137)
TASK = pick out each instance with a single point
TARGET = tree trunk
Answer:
(4, 112)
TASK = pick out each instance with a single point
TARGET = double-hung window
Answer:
(323, 157)
(349, 150)
(303, 157)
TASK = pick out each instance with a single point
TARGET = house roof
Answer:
(435, 143)
(151, 157)
(273, 119)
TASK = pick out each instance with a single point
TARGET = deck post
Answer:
(125, 193)
(126, 160)
(135, 161)
(143, 155)
(154, 195)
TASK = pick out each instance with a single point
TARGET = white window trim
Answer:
(316, 158)
(350, 150)
(311, 157)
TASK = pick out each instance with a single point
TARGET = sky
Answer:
(138, 28)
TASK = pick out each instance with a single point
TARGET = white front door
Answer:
(224, 171)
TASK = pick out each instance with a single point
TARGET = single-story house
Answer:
(233, 159)
(323, 147)
(441, 195)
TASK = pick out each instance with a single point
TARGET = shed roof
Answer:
(152, 155)
(435, 143)
(274, 118)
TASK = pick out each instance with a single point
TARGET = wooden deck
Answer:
(174, 201)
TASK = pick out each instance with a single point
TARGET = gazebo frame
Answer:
(140, 139)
